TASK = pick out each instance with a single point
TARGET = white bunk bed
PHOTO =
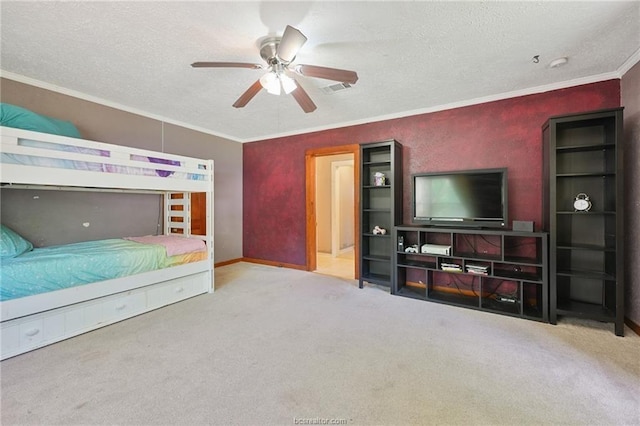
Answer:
(34, 321)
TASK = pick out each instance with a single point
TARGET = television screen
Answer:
(465, 198)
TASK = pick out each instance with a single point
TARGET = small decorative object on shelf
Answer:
(378, 231)
(582, 203)
(379, 179)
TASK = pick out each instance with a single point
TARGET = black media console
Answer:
(497, 271)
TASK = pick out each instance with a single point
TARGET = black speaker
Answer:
(400, 243)
(523, 225)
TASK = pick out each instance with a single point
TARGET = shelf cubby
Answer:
(518, 271)
(533, 300)
(503, 296)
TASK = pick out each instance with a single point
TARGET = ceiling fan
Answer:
(279, 53)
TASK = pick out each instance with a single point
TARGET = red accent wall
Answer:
(503, 133)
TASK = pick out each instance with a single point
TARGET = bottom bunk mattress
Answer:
(53, 268)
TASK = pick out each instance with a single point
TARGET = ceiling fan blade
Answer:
(343, 76)
(226, 65)
(292, 41)
(248, 95)
(303, 99)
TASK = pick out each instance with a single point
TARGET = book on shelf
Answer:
(450, 267)
(477, 269)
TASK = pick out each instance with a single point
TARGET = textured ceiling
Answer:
(411, 57)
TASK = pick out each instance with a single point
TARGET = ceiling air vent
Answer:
(335, 87)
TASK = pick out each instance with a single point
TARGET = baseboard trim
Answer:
(227, 262)
(632, 325)
(272, 263)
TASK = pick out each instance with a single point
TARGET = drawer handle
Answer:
(179, 289)
(32, 332)
(121, 307)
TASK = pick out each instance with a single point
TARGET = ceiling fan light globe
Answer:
(288, 84)
(271, 83)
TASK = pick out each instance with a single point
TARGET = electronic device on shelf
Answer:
(436, 249)
(476, 198)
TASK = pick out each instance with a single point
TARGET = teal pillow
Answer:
(12, 244)
(21, 118)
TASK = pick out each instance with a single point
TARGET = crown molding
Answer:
(476, 101)
(629, 63)
(69, 92)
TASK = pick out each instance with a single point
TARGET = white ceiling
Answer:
(411, 57)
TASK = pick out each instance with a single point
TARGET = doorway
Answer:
(332, 210)
(335, 242)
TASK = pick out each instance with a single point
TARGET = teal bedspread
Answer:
(57, 267)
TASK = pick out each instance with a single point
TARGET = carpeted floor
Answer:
(280, 346)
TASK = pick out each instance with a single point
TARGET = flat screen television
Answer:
(476, 198)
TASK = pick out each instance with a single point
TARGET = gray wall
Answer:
(630, 92)
(54, 217)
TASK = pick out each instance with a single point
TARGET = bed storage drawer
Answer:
(176, 290)
(125, 306)
(33, 331)
(27, 334)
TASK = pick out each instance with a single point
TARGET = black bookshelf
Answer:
(583, 158)
(380, 206)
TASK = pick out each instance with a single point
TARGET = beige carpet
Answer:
(279, 346)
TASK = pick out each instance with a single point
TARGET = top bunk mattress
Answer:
(33, 158)
(96, 164)
(42, 150)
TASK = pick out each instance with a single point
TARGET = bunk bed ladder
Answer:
(177, 213)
